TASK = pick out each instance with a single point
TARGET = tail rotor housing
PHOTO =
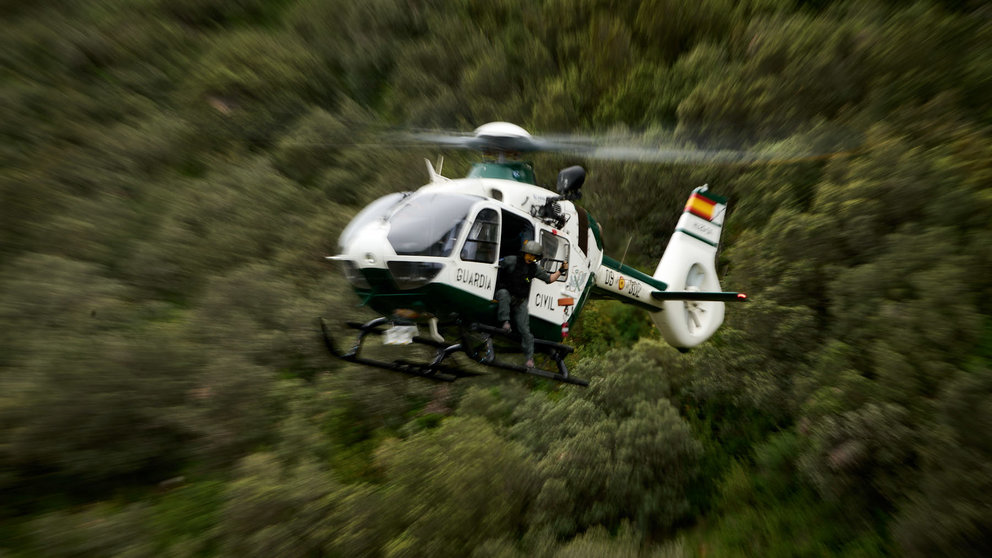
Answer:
(689, 264)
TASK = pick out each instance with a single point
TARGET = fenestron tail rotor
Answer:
(695, 311)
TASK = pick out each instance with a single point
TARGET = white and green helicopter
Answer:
(427, 261)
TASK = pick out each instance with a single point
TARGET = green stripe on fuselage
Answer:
(696, 236)
(577, 309)
(631, 272)
(710, 196)
(603, 294)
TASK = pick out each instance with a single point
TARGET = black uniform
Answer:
(513, 292)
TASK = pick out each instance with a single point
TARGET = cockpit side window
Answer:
(483, 238)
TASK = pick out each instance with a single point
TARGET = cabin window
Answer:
(555, 252)
(483, 238)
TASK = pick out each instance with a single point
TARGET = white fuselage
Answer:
(372, 245)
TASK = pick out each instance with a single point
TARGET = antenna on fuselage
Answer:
(624, 257)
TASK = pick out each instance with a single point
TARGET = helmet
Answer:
(531, 247)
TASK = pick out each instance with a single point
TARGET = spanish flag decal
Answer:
(700, 206)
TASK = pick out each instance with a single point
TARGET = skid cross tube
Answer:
(433, 371)
(363, 331)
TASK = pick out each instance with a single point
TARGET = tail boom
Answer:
(616, 280)
(632, 286)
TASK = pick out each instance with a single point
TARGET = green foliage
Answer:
(599, 542)
(358, 42)
(607, 324)
(619, 452)
(311, 146)
(95, 531)
(453, 488)
(272, 508)
(119, 403)
(765, 509)
(118, 384)
(219, 12)
(216, 224)
(947, 511)
(250, 85)
(184, 518)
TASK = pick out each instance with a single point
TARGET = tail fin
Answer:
(689, 264)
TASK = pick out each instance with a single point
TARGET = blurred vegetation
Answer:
(172, 172)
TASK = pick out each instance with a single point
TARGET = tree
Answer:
(452, 489)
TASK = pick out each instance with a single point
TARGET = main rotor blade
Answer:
(656, 147)
(668, 150)
(444, 139)
(672, 155)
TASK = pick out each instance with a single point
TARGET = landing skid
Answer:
(439, 371)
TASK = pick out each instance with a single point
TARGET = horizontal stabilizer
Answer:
(699, 295)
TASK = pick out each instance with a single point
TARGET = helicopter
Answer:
(428, 261)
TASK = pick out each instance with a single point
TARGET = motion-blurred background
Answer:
(173, 172)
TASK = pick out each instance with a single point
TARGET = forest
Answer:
(173, 173)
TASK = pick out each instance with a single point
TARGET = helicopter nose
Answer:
(370, 248)
(409, 275)
(371, 262)
(364, 257)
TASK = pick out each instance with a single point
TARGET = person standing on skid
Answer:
(513, 292)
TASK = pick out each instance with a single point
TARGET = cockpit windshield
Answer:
(428, 225)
